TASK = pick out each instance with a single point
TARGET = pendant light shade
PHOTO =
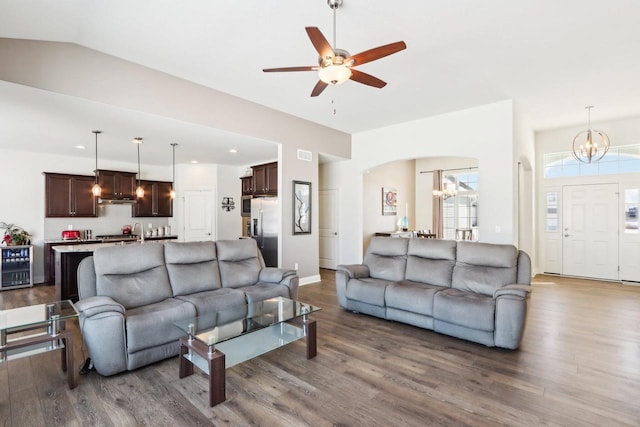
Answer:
(96, 190)
(139, 191)
(589, 146)
(173, 179)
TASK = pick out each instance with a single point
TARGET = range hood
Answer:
(115, 200)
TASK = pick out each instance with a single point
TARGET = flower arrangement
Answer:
(14, 235)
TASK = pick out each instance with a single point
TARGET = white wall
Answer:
(485, 133)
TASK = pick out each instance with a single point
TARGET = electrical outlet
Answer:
(295, 266)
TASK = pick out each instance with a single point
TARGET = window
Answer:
(623, 159)
(552, 212)
(461, 210)
(631, 204)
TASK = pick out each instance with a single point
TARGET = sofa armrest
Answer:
(354, 271)
(274, 275)
(522, 291)
(92, 306)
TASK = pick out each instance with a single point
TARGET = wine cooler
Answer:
(16, 268)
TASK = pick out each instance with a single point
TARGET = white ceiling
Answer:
(553, 57)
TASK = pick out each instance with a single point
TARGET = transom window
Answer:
(622, 159)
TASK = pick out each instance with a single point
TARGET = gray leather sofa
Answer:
(131, 295)
(475, 291)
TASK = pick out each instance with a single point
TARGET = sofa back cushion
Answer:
(386, 258)
(133, 275)
(239, 262)
(192, 267)
(431, 261)
(484, 267)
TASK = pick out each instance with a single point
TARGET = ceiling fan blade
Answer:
(277, 70)
(320, 43)
(366, 79)
(376, 53)
(319, 87)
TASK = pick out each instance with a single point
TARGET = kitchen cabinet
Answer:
(67, 274)
(156, 202)
(115, 184)
(247, 185)
(69, 196)
(265, 179)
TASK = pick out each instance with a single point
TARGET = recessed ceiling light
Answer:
(194, 161)
(80, 147)
(233, 150)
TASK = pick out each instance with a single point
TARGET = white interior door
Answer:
(328, 224)
(590, 231)
(198, 222)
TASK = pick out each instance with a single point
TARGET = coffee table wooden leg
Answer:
(217, 380)
(312, 348)
(186, 367)
(68, 352)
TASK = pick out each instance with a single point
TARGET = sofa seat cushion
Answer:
(262, 291)
(368, 290)
(218, 300)
(412, 296)
(465, 309)
(152, 325)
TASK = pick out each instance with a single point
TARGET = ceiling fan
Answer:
(335, 66)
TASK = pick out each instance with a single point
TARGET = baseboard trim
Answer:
(309, 280)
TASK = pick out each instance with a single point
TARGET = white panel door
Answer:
(198, 222)
(328, 224)
(590, 231)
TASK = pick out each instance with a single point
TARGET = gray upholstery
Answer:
(474, 291)
(131, 296)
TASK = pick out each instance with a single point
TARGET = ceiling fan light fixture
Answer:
(335, 74)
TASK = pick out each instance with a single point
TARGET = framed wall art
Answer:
(301, 207)
(389, 201)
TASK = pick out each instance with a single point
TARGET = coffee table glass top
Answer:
(34, 315)
(217, 327)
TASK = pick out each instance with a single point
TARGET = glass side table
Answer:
(50, 320)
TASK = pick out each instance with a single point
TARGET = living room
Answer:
(54, 68)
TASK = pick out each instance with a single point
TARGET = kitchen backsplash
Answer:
(110, 220)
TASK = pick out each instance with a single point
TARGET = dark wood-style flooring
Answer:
(579, 364)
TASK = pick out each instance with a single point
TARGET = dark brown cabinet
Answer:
(265, 179)
(67, 274)
(247, 185)
(156, 201)
(114, 184)
(69, 196)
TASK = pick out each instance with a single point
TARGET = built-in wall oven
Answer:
(246, 206)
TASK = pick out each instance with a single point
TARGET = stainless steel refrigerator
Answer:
(265, 223)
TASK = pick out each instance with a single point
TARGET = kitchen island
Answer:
(67, 257)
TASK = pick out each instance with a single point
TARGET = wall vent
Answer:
(305, 155)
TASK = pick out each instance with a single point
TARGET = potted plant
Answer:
(14, 235)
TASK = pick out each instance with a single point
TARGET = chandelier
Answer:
(445, 193)
(590, 145)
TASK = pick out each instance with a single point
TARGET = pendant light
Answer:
(172, 193)
(96, 190)
(139, 191)
(585, 148)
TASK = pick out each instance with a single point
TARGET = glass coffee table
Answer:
(50, 318)
(219, 340)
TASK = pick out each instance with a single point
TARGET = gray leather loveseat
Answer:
(475, 291)
(130, 296)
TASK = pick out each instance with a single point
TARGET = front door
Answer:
(328, 224)
(590, 231)
(197, 216)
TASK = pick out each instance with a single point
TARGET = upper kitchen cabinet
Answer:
(69, 196)
(119, 185)
(156, 201)
(247, 185)
(265, 179)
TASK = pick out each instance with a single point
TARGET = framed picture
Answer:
(389, 201)
(301, 207)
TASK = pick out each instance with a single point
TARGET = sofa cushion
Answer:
(484, 267)
(192, 267)
(132, 275)
(217, 300)
(153, 324)
(386, 258)
(431, 261)
(262, 291)
(412, 296)
(369, 290)
(239, 262)
(467, 309)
